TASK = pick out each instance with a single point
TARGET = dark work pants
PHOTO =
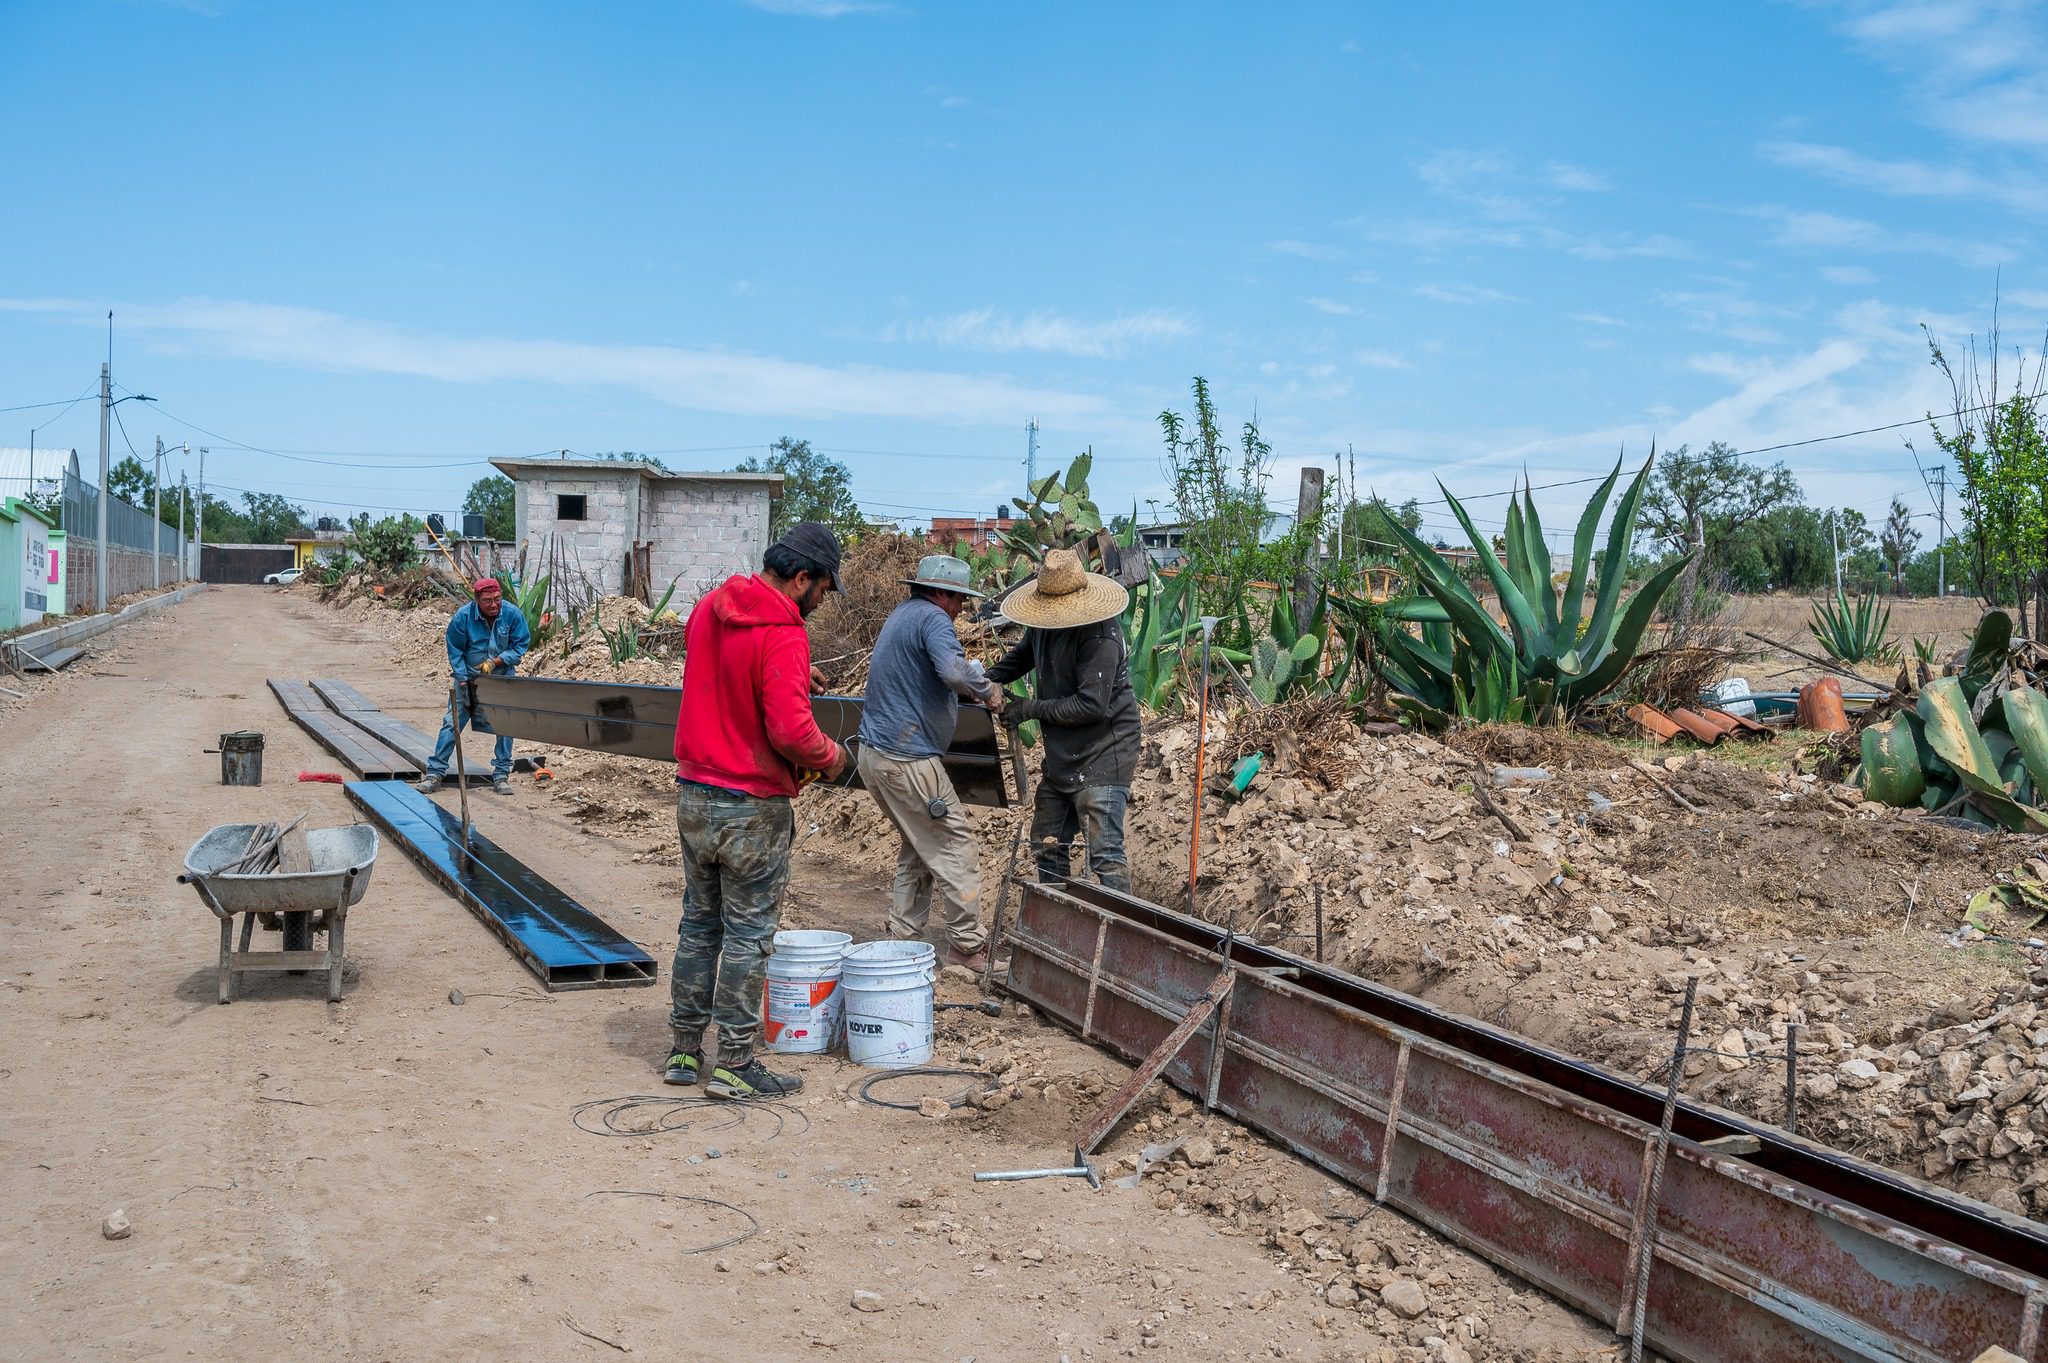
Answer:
(1093, 813)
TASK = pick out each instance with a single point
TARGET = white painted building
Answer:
(590, 517)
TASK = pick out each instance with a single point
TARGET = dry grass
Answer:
(1949, 622)
(1309, 736)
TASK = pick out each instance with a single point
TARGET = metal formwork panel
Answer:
(1539, 1161)
(371, 759)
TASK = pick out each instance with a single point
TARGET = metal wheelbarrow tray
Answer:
(342, 859)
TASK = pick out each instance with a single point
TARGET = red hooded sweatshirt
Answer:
(745, 721)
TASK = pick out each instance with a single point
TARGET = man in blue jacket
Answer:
(487, 635)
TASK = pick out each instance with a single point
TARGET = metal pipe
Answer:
(461, 775)
(1019, 1175)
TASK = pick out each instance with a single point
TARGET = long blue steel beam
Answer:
(564, 944)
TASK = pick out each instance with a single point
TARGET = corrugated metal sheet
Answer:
(19, 476)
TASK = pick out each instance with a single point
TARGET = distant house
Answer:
(977, 535)
(612, 527)
(322, 546)
(1164, 540)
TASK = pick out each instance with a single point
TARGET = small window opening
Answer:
(569, 506)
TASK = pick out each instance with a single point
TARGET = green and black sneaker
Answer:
(682, 1068)
(751, 1080)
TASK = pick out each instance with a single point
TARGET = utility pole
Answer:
(184, 543)
(1836, 540)
(199, 521)
(99, 566)
(156, 525)
(1031, 455)
(1941, 530)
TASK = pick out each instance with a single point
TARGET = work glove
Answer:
(1017, 712)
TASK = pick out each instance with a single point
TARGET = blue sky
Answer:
(383, 242)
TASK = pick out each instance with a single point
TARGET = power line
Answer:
(60, 402)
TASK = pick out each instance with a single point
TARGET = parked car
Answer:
(284, 577)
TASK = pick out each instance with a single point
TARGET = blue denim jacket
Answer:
(472, 639)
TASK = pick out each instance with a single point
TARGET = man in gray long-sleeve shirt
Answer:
(916, 679)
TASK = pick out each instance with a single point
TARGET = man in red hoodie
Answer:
(744, 734)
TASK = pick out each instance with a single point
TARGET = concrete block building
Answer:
(620, 524)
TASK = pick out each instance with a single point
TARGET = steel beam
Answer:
(640, 721)
(1536, 1160)
(564, 944)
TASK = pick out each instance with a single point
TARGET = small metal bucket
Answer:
(241, 758)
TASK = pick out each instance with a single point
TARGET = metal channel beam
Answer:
(1449, 1121)
(413, 744)
(367, 756)
(640, 721)
(564, 944)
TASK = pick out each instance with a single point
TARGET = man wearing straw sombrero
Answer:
(1085, 709)
(916, 679)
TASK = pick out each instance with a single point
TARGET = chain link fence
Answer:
(141, 551)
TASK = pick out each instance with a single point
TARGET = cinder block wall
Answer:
(703, 531)
(599, 540)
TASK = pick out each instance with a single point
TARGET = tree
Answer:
(1996, 439)
(491, 498)
(1219, 489)
(1700, 502)
(814, 488)
(1788, 549)
(271, 519)
(1368, 534)
(1898, 541)
(130, 481)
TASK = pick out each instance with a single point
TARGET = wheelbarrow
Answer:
(341, 859)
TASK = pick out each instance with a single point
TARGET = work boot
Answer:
(751, 1080)
(976, 961)
(429, 783)
(502, 784)
(682, 1068)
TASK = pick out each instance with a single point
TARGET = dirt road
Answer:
(398, 1177)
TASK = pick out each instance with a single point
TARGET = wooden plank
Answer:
(293, 856)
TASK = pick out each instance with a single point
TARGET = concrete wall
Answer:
(597, 544)
(703, 531)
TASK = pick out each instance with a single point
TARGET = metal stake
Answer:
(1792, 1077)
(461, 776)
(1646, 1222)
(1201, 752)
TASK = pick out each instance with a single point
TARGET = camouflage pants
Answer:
(735, 868)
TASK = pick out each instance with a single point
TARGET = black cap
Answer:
(817, 543)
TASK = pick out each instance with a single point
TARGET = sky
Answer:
(357, 249)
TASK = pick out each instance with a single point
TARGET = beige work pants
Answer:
(932, 852)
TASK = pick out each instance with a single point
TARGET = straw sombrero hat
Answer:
(1065, 595)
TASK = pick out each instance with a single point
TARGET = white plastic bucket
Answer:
(888, 988)
(800, 1014)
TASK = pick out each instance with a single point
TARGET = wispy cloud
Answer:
(1808, 230)
(1578, 179)
(697, 379)
(1474, 178)
(1380, 359)
(1977, 68)
(948, 99)
(989, 329)
(1725, 308)
(1598, 319)
(1330, 306)
(1464, 295)
(1912, 179)
(1852, 275)
(1304, 250)
(821, 9)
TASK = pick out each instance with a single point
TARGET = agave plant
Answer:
(1853, 633)
(1983, 756)
(1156, 622)
(1554, 655)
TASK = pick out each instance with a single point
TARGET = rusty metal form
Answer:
(1538, 1160)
